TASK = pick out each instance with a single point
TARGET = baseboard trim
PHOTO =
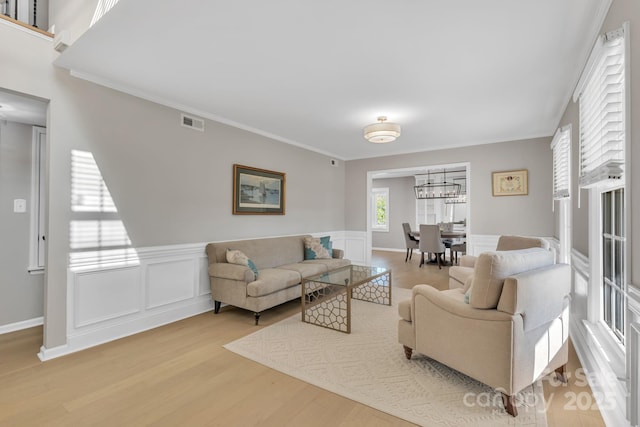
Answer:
(18, 326)
(390, 250)
(88, 339)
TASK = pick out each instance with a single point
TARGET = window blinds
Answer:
(602, 112)
(561, 146)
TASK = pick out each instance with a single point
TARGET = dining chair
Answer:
(431, 242)
(410, 240)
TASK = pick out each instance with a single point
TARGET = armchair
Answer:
(513, 329)
(458, 275)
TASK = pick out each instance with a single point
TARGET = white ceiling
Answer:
(314, 73)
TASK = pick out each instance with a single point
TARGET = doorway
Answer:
(403, 182)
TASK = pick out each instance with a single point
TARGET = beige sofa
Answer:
(458, 274)
(513, 329)
(281, 266)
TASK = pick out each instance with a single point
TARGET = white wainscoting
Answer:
(168, 283)
(633, 347)
(608, 388)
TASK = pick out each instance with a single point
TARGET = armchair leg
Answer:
(421, 260)
(257, 316)
(407, 351)
(439, 261)
(561, 373)
(407, 256)
(410, 253)
(509, 403)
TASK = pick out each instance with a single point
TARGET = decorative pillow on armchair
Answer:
(315, 249)
(238, 257)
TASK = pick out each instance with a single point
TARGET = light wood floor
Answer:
(179, 374)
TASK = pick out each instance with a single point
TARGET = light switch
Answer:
(19, 205)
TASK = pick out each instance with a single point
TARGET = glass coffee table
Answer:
(326, 298)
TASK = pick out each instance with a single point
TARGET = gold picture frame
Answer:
(510, 183)
(258, 191)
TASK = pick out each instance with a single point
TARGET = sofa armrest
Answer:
(468, 261)
(337, 253)
(225, 270)
(539, 296)
(455, 306)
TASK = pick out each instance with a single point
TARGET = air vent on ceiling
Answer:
(192, 122)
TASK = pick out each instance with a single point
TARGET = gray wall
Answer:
(21, 293)
(620, 12)
(402, 208)
(579, 215)
(526, 215)
(172, 185)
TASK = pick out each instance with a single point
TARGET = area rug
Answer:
(369, 366)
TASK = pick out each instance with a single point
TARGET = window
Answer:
(380, 209)
(561, 146)
(38, 191)
(613, 303)
(602, 95)
(602, 112)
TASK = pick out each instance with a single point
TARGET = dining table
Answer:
(445, 234)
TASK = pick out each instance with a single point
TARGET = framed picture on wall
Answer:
(258, 191)
(511, 183)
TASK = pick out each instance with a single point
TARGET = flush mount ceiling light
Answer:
(381, 132)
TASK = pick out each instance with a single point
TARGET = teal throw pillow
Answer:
(313, 249)
(253, 267)
(327, 244)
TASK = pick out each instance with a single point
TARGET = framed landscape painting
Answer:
(511, 183)
(258, 191)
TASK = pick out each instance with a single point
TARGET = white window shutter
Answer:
(602, 113)
(561, 146)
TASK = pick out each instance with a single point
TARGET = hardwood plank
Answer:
(180, 374)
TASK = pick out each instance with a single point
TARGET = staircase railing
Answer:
(24, 13)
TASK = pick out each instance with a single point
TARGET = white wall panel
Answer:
(169, 282)
(104, 295)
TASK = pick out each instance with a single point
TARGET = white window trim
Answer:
(374, 224)
(611, 348)
(37, 230)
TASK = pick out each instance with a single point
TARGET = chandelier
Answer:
(437, 190)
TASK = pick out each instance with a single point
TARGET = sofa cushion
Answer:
(313, 249)
(238, 257)
(331, 263)
(492, 268)
(272, 280)
(306, 269)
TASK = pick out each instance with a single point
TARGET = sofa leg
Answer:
(257, 316)
(561, 373)
(509, 403)
(216, 306)
(407, 351)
